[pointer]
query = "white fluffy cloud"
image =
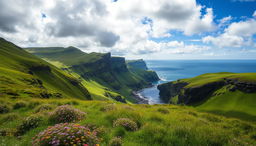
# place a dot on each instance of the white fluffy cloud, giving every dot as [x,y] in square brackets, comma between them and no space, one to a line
[237,34]
[124,26]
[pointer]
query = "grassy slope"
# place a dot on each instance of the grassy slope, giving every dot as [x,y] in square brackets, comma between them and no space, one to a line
[159,124]
[96,90]
[68,57]
[235,104]
[213,77]
[15,66]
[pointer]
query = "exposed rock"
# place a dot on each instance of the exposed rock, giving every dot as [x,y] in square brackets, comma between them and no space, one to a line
[190,95]
[118,64]
[139,64]
[170,89]
[39,68]
[197,94]
[117,98]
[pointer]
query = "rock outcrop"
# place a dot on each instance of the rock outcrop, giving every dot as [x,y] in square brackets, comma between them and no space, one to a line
[192,95]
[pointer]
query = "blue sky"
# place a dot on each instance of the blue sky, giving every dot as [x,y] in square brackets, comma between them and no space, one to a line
[150,29]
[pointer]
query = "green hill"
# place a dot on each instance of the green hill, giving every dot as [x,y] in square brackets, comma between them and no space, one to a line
[160,125]
[58,95]
[230,94]
[110,72]
[24,75]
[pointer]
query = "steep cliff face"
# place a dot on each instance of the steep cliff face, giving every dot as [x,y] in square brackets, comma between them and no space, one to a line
[118,64]
[170,90]
[94,67]
[140,68]
[139,64]
[229,94]
[110,72]
[192,94]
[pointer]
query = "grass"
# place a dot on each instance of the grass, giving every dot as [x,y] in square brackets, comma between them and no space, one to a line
[179,126]
[98,71]
[24,75]
[214,77]
[236,104]
[232,104]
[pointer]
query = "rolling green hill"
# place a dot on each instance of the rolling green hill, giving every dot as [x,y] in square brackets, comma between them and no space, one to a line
[110,72]
[230,94]
[58,94]
[24,75]
[160,125]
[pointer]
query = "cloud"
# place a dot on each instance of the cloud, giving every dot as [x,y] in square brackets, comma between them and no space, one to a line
[225,21]
[102,25]
[237,34]
[12,14]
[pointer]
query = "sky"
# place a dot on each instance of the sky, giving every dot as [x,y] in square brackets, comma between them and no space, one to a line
[147,29]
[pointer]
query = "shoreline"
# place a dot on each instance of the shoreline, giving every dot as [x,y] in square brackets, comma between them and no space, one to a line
[140,99]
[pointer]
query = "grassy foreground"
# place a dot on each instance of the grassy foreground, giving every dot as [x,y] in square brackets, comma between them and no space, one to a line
[157,125]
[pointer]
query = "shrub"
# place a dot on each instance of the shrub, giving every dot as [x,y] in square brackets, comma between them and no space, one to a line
[163,110]
[33,104]
[108,107]
[211,118]
[9,117]
[66,134]
[72,103]
[4,109]
[19,105]
[3,132]
[29,123]
[116,141]
[128,124]
[44,107]
[66,114]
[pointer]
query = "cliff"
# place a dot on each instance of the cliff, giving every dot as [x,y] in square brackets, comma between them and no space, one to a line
[139,64]
[220,92]
[140,68]
[110,73]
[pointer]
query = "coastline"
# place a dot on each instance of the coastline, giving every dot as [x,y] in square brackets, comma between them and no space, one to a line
[139,98]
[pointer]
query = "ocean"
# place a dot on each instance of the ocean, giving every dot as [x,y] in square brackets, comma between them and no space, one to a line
[171,70]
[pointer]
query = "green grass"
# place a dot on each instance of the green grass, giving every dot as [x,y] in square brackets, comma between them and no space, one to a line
[69,56]
[214,77]
[98,71]
[179,126]
[21,74]
[232,104]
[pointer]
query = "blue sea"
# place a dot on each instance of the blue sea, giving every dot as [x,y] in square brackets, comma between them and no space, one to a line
[170,70]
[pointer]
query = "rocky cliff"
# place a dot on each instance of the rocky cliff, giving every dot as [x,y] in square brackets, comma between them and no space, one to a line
[110,72]
[139,64]
[188,91]
[140,68]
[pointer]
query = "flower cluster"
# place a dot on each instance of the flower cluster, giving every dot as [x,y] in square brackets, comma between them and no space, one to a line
[66,114]
[128,124]
[66,134]
[28,124]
